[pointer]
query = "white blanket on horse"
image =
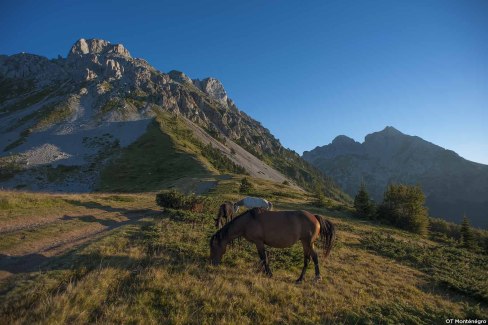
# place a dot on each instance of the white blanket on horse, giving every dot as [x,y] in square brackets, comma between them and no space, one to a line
[253,202]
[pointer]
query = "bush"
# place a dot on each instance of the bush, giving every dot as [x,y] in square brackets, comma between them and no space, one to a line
[175,200]
[246,186]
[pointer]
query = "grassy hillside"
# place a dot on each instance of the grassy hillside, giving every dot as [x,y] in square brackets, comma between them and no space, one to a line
[153,268]
[150,163]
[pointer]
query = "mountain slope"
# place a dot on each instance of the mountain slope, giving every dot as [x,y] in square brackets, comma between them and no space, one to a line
[83,110]
[453,185]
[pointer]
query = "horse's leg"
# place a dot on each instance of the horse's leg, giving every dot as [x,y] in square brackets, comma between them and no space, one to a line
[264,258]
[316,262]
[306,259]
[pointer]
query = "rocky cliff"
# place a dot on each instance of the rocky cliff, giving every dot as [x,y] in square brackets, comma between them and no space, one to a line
[69,110]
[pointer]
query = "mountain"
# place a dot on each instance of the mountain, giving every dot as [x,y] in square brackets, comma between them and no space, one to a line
[453,185]
[101,119]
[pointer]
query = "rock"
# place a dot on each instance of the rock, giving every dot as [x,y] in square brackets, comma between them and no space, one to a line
[96,46]
[213,88]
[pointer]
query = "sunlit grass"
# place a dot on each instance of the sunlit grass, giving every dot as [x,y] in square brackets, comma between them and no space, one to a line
[156,271]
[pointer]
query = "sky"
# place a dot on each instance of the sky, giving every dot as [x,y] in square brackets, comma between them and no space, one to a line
[307,70]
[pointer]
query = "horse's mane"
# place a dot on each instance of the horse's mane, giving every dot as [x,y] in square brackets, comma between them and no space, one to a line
[224,231]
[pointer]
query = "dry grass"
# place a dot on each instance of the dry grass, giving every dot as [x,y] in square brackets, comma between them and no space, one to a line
[156,271]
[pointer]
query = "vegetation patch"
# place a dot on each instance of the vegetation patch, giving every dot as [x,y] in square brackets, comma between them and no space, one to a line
[23,137]
[149,164]
[185,138]
[30,100]
[175,200]
[450,267]
[111,105]
[10,166]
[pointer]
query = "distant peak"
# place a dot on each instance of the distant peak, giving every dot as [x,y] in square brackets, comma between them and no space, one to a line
[97,46]
[391,130]
[343,140]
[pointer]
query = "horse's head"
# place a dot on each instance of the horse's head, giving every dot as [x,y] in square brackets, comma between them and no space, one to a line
[217,249]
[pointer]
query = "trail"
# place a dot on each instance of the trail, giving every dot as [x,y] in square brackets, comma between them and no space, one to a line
[29,258]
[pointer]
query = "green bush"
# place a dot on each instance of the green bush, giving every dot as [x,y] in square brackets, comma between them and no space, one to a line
[175,200]
[246,186]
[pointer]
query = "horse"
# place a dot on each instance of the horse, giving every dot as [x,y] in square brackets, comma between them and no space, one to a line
[278,229]
[253,202]
[226,211]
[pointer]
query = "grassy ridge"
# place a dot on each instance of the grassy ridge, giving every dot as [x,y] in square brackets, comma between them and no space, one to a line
[149,164]
[156,271]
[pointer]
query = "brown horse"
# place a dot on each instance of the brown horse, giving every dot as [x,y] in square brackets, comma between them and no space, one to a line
[278,229]
[226,211]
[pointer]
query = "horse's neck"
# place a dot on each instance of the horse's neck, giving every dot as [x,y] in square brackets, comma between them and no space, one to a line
[236,228]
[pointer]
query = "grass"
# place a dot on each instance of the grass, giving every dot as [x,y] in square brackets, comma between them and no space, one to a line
[451,267]
[29,100]
[156,269]
[10,166]
[149,164]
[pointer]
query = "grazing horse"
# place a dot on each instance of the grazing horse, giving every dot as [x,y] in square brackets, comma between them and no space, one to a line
[253,202]
[226,211]
[278,229]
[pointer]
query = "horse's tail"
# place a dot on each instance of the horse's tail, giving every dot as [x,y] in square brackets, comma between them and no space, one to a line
[327,233]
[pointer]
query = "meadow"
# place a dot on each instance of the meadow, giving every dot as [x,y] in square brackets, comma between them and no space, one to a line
[126,260]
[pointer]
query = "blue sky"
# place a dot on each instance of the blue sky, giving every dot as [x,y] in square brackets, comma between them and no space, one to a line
[308,70]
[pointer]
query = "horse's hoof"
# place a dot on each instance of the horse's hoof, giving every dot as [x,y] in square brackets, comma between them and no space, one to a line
[318,278]
[299,281]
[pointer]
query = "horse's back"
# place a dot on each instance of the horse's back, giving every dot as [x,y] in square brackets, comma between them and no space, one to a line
[251,202]
[284,228]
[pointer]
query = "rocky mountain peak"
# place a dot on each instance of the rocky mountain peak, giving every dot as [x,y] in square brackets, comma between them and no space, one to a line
[212,87]
[343,140]
[389,134]
[97,46]
[180,77]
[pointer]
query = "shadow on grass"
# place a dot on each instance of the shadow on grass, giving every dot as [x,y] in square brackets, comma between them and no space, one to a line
[98,206]
[90,219]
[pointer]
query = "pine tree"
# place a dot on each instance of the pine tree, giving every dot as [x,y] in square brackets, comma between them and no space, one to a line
[363,205]
[403,206]
[467,237]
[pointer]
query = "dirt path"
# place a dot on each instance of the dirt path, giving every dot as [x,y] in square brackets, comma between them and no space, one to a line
[30,256]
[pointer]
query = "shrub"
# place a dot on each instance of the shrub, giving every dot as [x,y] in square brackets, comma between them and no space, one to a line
[246,186]
[175,200]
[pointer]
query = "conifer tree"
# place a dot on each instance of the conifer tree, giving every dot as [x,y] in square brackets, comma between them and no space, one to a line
[467,237]
[363,205]
[403,206]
